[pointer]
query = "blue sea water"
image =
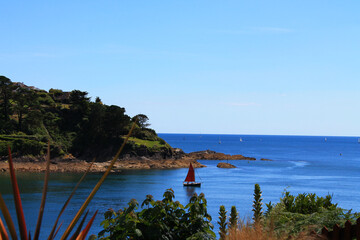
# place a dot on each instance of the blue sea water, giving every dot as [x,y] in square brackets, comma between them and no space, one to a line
[299,163]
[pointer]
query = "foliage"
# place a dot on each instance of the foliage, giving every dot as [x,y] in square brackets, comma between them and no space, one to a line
[6,88]
[307,203]
[222,222]
[24,145]
[142,120]
[234,217]
[257,209]
[269,208]
[72,122]
[306,211]
[165,219]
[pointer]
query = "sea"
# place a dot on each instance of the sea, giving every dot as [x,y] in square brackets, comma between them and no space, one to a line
[299,164]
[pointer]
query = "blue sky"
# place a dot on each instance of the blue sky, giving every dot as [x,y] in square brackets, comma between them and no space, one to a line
[231,67]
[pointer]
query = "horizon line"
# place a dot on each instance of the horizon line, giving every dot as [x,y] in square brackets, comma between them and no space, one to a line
[288,135]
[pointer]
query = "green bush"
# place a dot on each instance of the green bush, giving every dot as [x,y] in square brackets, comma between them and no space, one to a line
[164,219]
[20,145]
[307,203]
[305,212]
[25,147]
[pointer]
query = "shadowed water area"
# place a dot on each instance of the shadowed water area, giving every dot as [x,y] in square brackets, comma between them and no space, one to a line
[301,164]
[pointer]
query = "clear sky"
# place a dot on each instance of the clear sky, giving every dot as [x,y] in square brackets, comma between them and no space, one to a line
[232,67]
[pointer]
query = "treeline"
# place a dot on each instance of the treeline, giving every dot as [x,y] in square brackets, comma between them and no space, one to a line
[29,117]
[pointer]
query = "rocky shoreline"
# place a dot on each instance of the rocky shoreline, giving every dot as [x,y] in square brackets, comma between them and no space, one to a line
[70,164]
[98,167]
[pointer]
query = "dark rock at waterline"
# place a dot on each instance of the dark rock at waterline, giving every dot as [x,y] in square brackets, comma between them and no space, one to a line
[265,159]
[225,165]
[212,155]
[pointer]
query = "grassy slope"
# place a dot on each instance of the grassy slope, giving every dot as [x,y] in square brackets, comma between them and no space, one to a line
[148,143]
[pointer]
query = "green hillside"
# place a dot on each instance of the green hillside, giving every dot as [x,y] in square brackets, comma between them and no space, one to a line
[30,117]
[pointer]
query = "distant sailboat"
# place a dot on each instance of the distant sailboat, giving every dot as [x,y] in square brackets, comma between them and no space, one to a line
[325,139]
[190,178]
[241,140]
[358,140]
[219,141]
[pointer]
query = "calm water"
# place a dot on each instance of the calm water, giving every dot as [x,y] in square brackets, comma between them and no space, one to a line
[301,164]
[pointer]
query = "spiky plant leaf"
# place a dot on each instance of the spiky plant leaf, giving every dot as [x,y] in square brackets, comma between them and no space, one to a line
[8,219]
[3,232]
[87,228]
[17,199]
[96,188]
[43,199]
[51,236]
[78,230]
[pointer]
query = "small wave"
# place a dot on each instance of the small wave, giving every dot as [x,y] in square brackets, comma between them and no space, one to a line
[298,164]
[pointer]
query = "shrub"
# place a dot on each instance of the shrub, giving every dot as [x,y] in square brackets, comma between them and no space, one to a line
[305,212]
[306,203]
[165,219]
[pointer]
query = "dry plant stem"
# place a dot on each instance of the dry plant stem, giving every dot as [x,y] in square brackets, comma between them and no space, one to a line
[96,188]
[17,199]
[42,205]
[52,236]
[8,219]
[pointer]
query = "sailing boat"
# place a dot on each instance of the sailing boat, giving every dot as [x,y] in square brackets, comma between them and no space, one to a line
[190,178]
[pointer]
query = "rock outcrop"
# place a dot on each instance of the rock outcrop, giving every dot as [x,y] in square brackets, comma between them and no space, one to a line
[212,155]
[225,165]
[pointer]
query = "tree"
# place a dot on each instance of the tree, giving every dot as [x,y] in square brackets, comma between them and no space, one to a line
[5,95]
[24,101]
[115,121]
[98,100]
[222,222]
[142,120]
[80,101]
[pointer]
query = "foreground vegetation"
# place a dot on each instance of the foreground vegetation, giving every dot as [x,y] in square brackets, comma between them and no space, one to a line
[78,234]
[164,219]
[294,216]
[30,117]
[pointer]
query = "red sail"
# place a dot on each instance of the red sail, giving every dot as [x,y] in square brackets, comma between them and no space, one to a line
[191,175]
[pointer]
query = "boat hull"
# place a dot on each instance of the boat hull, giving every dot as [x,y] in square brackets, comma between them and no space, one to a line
[192,184]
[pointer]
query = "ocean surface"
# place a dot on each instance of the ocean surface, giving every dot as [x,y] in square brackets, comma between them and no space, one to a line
[322,165]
